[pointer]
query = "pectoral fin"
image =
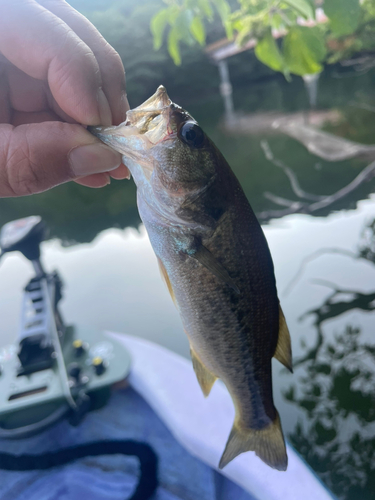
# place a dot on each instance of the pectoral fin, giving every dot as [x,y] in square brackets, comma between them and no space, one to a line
[166,280]
[205,378]
[283,352]
[205,257]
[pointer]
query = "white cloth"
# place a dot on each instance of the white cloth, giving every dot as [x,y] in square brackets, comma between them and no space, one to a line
[168,383]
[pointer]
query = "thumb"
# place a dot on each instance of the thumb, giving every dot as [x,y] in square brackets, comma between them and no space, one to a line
[39,156]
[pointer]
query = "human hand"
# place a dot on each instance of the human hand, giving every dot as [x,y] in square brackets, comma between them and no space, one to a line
[57,75]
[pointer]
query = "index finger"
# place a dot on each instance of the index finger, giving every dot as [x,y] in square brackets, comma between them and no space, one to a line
[44,47]
[110,64]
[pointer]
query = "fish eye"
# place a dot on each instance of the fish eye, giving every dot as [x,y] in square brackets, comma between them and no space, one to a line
[191,134]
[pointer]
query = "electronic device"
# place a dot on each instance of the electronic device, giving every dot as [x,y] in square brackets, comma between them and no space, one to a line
[53,370]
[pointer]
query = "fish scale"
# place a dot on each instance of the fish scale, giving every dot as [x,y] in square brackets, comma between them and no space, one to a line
[215,261]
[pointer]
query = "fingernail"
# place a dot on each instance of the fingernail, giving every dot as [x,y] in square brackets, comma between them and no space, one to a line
[124,105]
[93,159]
[104,109]
[120,173]
[128,175]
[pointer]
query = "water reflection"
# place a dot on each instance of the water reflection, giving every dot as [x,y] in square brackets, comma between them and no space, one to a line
[336,391]
[112,284]
[76,214]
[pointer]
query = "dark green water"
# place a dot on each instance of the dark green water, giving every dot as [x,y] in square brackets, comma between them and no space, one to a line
[112,282]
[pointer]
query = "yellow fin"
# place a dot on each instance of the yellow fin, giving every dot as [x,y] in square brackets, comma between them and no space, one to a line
[283,352]
[166,279]
[267,443]
[205,378]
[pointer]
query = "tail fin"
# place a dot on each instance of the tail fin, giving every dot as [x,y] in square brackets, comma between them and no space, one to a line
[267,443]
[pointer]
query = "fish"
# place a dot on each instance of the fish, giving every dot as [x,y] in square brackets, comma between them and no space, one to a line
[215,261]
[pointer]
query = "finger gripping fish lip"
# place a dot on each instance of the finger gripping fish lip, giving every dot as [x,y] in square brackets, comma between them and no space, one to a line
[157,120]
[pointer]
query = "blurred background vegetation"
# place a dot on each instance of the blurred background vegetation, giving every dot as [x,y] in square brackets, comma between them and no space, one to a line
[195,85]
[291,36]
[126,26]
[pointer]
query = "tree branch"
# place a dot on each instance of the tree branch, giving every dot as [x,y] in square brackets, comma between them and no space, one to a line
[315,255]
[327,146]
[282,201]
[289,173]
[365,175]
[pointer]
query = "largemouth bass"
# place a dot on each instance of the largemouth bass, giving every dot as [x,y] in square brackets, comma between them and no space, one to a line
[215,260]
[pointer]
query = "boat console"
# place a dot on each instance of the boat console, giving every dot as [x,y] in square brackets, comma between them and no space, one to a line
[53,370]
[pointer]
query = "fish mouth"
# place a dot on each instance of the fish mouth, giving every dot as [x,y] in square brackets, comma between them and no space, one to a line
[145,126]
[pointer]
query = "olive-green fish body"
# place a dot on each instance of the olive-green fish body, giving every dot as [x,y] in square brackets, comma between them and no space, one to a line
[216,263]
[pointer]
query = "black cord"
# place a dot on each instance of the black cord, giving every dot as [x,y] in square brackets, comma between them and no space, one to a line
[148,481]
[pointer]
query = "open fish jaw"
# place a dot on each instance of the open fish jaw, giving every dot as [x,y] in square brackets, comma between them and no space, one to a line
[144,127]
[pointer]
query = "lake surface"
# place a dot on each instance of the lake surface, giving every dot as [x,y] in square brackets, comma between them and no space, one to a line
[112,281]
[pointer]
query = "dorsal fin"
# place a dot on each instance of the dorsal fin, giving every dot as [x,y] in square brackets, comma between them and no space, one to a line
[205,378]
[283,352]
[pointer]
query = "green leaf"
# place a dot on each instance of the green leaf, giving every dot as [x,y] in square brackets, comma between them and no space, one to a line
[303,7]
[343,15]
[276,21]
[174,11]
[268,52]
[228,29]
[158,24]
[182,24]
[223,9]
[173,45]
[304,49]
[205,7]
[197,30]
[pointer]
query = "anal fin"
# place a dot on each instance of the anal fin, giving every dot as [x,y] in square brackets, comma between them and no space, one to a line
[205,378]
[166,280]
[283,352]
[268,444]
